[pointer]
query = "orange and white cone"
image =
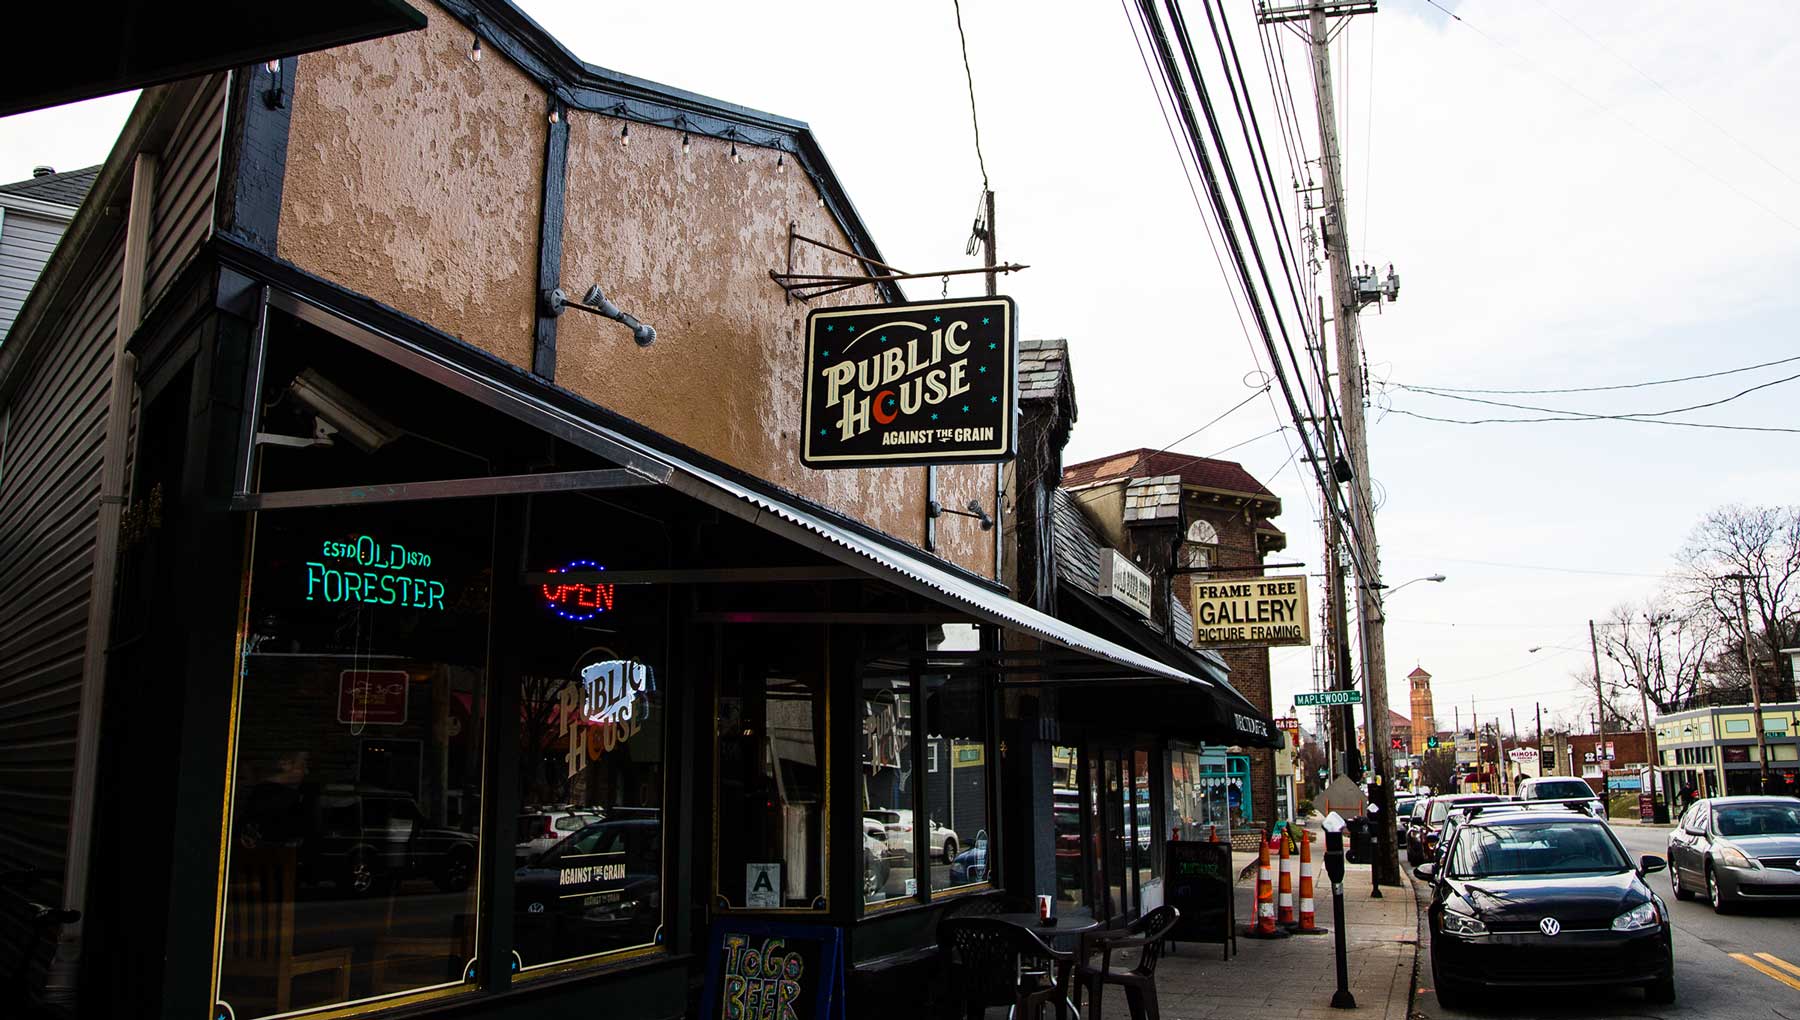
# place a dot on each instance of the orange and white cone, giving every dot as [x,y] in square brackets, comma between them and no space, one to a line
[1265,897]
[1285,896]
[1307,925]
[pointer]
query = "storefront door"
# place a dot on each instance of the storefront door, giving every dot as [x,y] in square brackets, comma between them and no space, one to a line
[1124,832]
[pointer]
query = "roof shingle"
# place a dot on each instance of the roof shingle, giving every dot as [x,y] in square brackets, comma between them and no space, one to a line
[1223,475]
[67,188]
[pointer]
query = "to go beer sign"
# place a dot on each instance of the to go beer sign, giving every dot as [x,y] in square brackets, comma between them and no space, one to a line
[927,383]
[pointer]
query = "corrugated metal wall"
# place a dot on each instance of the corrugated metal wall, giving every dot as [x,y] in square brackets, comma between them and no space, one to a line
[26,241]
[50,471]
[49,489]
[185,184]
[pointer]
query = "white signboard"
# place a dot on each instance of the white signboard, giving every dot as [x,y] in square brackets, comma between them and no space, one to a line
[1523,754]
[1122,580]
[762,884]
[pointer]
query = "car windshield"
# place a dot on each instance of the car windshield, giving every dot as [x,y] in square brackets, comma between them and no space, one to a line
[1441,808]
[1561,790]
[1539,848]
[1758,820]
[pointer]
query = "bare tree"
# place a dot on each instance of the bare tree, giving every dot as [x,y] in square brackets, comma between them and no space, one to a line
[1437,770]
[1620,698]
[1660,648]
[1762,543]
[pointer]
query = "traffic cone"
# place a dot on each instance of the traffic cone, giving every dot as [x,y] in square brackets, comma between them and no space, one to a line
[1306,925]
[1285,896]
[1265,928]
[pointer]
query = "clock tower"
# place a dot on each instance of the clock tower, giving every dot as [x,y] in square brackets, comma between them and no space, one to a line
[1423,723]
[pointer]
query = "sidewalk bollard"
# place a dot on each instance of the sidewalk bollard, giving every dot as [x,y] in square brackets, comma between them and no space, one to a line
[1307,926]
[1285,891]
[1334,868]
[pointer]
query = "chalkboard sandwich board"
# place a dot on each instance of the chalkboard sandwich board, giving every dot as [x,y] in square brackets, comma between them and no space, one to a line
[1200,886]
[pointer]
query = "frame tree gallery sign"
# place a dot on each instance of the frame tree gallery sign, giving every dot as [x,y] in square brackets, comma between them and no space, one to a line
[927,383]
[1251,611]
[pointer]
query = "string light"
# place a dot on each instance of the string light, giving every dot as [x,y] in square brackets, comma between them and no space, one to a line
[735,158]
[781,163]
[475,50]
[625,136]
[684,142]
[555,116]
[274,66]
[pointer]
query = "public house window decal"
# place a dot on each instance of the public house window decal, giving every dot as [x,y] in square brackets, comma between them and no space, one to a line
[353,821]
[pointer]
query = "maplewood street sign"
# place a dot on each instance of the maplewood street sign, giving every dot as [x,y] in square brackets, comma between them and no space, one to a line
[1312,698]
[932,382]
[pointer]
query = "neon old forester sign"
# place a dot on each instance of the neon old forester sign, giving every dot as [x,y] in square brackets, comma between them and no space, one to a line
[926,383]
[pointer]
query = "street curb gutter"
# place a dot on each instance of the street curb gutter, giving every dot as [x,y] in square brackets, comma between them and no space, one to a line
[1412,983]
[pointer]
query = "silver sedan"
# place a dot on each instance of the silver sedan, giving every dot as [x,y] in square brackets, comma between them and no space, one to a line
[1737,850]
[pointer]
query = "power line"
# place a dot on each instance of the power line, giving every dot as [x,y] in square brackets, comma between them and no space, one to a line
[1618,386]
[970,75]
[1532,421]
[1588,416]
[1628,122]
[1696,111]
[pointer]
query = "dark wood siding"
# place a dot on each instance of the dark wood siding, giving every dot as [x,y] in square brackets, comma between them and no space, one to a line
[186,180]
[49,489]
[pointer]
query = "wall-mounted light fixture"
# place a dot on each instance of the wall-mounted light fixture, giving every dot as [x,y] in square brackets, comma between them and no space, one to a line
[595,303]
[936,509]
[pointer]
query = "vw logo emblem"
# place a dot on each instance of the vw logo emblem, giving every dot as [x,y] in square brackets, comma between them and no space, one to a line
[1550,926]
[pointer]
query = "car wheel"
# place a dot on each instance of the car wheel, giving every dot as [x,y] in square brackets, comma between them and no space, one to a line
[1715,894]
[359,875]
[1681,891]
[459,870]
[1661,991]
[1451,994]
[949,849]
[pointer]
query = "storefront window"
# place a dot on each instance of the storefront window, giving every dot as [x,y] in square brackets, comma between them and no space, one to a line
[589,848]
[1115,793]
[956,795]
[1144,832]
[771,769]
[888,785]
[1071,892]
[356,783]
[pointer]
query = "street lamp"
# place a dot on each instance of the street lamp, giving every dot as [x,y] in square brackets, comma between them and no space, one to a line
[1378,586]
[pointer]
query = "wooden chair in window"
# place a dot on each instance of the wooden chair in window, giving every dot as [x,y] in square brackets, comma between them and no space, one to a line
[259,927]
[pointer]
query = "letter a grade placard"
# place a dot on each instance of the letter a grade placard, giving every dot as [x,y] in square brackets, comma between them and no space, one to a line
[926,383]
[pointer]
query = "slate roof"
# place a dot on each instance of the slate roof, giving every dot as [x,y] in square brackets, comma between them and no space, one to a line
[67,188]
[1043,367]
[1264,524]
[1153,499]
[1078,545]
[1223,475]
[1418,672]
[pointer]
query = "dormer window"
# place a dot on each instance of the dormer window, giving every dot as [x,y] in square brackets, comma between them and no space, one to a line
[1202,544]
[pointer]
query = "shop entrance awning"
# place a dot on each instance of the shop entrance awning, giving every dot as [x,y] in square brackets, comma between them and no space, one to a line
[119,45]
[551,410]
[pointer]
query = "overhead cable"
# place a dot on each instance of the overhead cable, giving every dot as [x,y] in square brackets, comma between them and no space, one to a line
[1598,389]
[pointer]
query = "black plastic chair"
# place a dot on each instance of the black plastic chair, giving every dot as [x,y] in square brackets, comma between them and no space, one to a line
[1146,934]
[991,964]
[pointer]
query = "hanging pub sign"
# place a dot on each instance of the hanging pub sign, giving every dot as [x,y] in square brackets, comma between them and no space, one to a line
[931,382]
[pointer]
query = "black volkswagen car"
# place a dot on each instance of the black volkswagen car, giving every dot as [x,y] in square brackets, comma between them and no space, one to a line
[1544,895]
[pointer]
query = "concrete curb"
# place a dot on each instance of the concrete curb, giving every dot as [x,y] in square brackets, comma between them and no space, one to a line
[1401,1007]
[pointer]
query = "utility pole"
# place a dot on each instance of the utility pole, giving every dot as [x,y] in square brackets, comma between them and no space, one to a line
[1762,739]
[1346,304]
[1343,720]
[1540,740]
[1600,724]
[1515,725]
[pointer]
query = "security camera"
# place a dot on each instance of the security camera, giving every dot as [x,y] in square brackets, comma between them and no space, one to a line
[355,421]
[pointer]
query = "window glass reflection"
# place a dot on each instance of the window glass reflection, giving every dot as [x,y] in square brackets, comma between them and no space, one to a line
[956,781]
[888,786]
[356,786]
[1071,893]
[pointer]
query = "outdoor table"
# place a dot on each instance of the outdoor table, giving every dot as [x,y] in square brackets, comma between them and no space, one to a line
[1066,925]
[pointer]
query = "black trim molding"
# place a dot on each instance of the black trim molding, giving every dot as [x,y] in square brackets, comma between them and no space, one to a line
[550,235]
[254,163]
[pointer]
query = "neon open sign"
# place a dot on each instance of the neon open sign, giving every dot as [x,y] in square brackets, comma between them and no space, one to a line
[576,600]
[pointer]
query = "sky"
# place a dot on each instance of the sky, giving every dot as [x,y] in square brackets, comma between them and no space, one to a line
[1569,198]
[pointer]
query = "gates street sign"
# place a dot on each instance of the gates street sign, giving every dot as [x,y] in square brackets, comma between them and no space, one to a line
[1313,698]
[932,382]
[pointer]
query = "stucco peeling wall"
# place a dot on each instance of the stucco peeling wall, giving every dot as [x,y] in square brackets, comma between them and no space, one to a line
[686,244]
[415,176]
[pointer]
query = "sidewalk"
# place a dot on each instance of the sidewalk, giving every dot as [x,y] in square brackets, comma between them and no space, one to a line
[1295,977]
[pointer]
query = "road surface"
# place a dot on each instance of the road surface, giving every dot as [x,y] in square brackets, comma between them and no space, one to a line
[1716,977]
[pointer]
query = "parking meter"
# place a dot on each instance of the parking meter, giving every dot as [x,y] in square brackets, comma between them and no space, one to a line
[1334,856]
[1334,825]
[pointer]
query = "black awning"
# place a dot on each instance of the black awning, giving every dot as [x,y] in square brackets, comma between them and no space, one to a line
[118,45]
[1219,714]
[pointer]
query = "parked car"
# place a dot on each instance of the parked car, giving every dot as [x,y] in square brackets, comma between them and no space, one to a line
[875,858]
[1414,820]
[1544,896]
[598,888]
[364,838]
[971,865]
[1561,788]
[899,828]
[1737,849]
[1422,839]
[540,828]
[1403,806]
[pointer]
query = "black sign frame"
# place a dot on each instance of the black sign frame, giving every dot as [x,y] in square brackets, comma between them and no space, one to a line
[982,428]
[1201,885]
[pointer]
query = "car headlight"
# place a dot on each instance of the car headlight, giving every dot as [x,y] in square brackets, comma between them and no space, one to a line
[1733,856]
[1456,923]
[1642,916]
